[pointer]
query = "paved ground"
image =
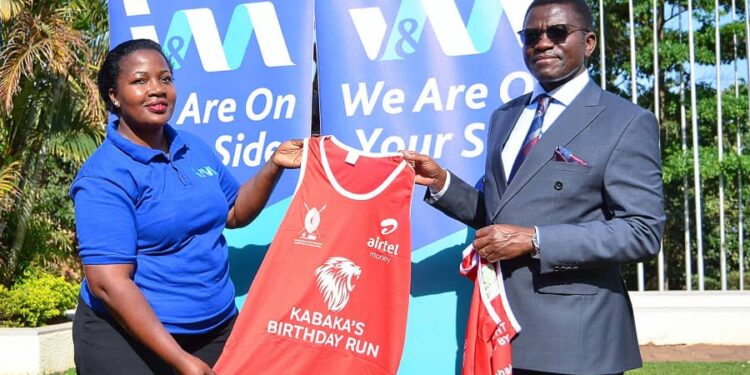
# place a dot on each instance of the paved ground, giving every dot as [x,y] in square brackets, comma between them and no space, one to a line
[695,353]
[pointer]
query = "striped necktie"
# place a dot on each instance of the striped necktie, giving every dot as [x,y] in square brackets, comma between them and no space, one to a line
[534,134]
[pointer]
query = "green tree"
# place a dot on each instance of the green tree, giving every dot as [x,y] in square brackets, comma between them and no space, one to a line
[50,118]
[671,18]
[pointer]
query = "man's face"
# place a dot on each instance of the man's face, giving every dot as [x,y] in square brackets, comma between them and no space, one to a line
[554,62]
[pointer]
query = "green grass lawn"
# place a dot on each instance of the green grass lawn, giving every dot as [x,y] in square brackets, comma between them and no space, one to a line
[703,368]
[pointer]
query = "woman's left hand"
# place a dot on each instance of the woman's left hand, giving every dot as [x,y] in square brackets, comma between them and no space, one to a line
[289,154]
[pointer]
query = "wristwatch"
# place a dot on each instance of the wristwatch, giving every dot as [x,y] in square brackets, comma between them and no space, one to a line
[535,243]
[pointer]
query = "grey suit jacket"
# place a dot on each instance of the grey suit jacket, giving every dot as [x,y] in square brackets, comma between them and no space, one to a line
[572,304]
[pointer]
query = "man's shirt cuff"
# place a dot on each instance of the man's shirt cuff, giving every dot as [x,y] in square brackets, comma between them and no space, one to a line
[435,195]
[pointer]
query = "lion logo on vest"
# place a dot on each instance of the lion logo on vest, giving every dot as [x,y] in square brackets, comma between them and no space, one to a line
[336,281]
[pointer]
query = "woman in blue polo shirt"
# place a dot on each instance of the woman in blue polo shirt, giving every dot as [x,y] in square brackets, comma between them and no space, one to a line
[151,204]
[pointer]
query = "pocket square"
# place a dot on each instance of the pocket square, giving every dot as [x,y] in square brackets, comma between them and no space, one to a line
[564,155]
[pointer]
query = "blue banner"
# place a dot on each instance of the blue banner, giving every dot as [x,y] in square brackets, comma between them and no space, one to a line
[243,72]
[423,75]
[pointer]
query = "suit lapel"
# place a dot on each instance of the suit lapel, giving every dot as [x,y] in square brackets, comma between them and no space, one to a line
[503,126]
[581,112]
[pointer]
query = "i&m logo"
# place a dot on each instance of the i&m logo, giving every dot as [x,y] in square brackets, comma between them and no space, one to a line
[198,27]
[455,37]
[206,171]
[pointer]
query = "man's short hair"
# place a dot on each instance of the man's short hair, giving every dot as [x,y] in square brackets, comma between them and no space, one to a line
[582,9]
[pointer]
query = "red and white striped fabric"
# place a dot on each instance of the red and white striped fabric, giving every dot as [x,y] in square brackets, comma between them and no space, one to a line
[491,325]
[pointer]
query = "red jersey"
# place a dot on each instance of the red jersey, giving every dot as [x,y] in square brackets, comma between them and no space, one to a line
[491,324]
[332,294]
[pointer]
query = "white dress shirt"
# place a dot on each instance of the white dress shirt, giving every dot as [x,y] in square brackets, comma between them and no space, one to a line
[560,98]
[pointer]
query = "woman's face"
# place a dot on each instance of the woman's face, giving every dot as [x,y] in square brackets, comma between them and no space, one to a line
[144,96]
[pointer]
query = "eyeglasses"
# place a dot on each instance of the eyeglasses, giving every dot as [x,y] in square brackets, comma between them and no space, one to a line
[555,33]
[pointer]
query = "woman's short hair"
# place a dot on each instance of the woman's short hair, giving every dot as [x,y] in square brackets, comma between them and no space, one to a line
[110,69]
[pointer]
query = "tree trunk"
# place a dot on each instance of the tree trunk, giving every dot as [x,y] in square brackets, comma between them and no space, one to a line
[26,204]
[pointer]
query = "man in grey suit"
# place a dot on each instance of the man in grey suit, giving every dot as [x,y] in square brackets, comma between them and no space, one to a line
[572,190]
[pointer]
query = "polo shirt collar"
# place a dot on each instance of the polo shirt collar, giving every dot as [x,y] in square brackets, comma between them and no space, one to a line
[144,154]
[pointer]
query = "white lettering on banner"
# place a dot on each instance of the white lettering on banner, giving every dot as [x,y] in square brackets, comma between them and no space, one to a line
[508,370]
[261,103]
[396,143]
[474,140]
[373,141]
[225,110]
[249,153]
[392,100]
[429,95]
[265,97]
[473,96]
[526,79]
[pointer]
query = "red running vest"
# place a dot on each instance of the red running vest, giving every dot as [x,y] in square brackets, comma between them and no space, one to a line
[332,294]
[491,324]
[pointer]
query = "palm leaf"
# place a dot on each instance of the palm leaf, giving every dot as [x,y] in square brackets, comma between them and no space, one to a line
[75,146]
[8,180]
[9,8]
[41,44]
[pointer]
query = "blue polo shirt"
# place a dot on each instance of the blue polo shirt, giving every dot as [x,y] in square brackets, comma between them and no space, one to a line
[165,215]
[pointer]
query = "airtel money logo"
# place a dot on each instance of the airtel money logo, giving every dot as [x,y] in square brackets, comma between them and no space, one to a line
[336,281]
[382,249]
[388,226]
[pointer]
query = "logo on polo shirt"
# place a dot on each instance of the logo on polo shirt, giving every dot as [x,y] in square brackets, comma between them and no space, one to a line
[336,280]
[205,172]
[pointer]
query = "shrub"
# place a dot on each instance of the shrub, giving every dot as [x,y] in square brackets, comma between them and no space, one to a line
[36,299]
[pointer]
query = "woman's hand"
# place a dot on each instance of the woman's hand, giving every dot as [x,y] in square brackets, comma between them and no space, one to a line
[191,365]
[254,193]
[289,154]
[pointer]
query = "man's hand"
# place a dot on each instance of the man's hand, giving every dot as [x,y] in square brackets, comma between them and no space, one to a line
[429,172]
[503,242]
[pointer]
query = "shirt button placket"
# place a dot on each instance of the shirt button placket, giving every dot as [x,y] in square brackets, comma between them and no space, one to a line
[183,179]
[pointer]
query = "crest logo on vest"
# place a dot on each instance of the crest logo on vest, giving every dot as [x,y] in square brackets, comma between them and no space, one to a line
[336,280]
[309,234]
